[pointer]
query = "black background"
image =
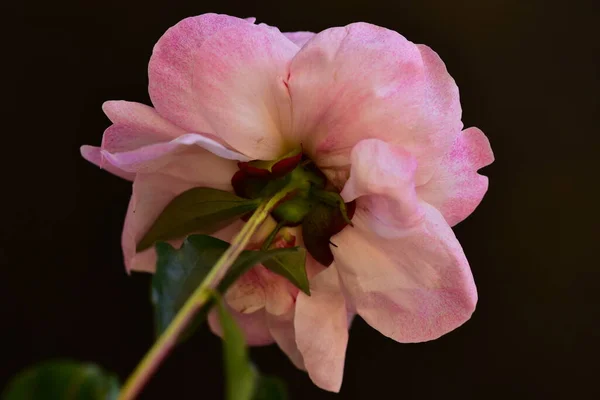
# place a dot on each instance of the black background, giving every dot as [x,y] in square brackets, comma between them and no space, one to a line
[528,75]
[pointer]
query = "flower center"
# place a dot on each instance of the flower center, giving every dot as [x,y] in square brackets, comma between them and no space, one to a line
[313,202]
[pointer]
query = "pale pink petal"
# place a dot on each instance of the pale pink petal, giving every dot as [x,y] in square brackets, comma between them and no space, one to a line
[135,125]
[321,324]
[300,38]
[382,175]
[412,288]
[253,325]
[153,191]
[94,155]
[246,295]
[456,188]
[372,83]
[154,157]
[282,329]
[225,76]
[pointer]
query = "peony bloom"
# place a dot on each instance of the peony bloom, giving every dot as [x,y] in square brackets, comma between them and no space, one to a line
[379,116]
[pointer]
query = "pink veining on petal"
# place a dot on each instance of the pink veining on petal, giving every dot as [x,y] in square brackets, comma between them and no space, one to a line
[456,188]
[224,76]
[372,83]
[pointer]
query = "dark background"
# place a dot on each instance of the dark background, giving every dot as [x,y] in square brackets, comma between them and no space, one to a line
[528,75]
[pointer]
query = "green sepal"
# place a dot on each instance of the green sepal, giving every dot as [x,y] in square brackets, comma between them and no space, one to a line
[180,271]
[320,224]
[201,210]
[62,380]
[291,266]
[292,158]
[333,199]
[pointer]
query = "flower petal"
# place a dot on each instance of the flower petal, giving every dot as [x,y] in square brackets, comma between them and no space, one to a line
[372,83]
[153,191]
[225,76]
[456,188]
[411,288]
[299,38]
[94,155]
[253,325]
[154,157]
[321,324]
[282,329]
[247,294]
[382,175]
[135,125]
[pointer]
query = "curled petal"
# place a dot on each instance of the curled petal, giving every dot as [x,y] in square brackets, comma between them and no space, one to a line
[94,155]
[253,325]
[321,324]
[372,83]
[382,175]
[135,125]
[155,157]
[225,76]
[412,288]
[456,188]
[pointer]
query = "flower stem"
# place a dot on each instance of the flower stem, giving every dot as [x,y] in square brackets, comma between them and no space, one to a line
[269,240]
[168,339]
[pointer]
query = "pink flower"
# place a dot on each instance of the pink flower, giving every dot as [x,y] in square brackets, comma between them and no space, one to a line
[379,115]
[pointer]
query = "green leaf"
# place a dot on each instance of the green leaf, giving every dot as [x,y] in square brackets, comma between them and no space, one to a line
[241,376]
[291,266]
[180,271]
[62,380]
[270,388]
[243,381]
[203,210]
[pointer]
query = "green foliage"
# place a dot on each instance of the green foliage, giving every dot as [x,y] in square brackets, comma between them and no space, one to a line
[243,381]
[291,266]
[202,210]
[62,380]
[180,271]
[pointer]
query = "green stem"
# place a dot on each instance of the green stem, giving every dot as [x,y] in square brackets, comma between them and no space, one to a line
[165,343]
[269,240]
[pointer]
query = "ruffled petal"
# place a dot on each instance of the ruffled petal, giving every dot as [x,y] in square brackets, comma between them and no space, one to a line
[382,175]
[299,38]
[253,325]
[225,76]
[321,324]
[412,288]
[372,83]
[456,188]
